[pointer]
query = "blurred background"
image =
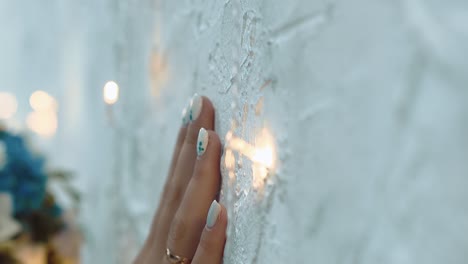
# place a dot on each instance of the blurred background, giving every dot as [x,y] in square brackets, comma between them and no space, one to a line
[344,125]
[55,127]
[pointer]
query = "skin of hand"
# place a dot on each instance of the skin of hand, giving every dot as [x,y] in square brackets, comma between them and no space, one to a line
[189,222]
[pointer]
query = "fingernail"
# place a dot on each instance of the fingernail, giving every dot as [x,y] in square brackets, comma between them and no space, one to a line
[196,105]
[202,141]
[213,214]
[185,117]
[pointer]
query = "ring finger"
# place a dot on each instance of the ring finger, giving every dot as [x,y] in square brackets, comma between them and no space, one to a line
[190,219]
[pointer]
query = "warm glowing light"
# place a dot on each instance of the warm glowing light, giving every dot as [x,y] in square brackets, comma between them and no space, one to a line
[42,101]
[228,136]
[8,105]
[230,162]
[240,145]
[111,92]
[265,152]
[264,158]
[43,123]
[262,154]
[43,120]
[158,72]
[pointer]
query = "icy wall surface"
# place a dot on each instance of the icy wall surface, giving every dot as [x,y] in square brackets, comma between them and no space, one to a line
[365,101]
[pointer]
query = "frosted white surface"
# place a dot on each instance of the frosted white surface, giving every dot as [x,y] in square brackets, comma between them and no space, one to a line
[366,100]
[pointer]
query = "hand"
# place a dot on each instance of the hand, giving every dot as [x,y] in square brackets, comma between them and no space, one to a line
[189,222]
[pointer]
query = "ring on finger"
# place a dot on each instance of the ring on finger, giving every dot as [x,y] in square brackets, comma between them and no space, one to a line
[176,259]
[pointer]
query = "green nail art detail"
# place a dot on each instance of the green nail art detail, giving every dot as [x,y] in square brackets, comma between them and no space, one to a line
[202,141]
[200,147]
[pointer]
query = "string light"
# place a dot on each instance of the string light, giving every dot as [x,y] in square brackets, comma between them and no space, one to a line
[262,154]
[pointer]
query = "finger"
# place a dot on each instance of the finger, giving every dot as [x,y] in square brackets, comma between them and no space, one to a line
[201,114]
[180,140]
[175,157]
[211,247]
[150,240]
[203,188]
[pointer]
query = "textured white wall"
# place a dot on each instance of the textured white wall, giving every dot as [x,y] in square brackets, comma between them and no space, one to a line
[366,101]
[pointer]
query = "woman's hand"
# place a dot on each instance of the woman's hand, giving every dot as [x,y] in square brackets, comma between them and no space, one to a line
[189,225]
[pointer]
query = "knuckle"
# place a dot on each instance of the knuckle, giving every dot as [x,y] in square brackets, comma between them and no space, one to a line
[178,230]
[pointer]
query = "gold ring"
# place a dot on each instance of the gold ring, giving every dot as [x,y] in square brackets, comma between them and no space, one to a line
[176,259]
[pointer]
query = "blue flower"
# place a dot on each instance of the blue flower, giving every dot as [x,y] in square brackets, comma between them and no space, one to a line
[22,175]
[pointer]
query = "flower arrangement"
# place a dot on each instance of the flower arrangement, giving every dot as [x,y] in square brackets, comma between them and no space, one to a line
[27,207]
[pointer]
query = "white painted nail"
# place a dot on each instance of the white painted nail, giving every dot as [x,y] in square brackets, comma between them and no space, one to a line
[185,117]
[196,105]
[202,141]
[213,214]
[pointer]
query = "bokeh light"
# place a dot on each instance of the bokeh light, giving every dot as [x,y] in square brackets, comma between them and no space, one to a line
[8,105]
[42,101]
[111,92]
[43,123]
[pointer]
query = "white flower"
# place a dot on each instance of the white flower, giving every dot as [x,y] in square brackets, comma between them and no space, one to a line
[3,155]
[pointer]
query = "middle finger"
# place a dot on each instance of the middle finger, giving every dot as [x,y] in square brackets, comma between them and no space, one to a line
[203,188]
